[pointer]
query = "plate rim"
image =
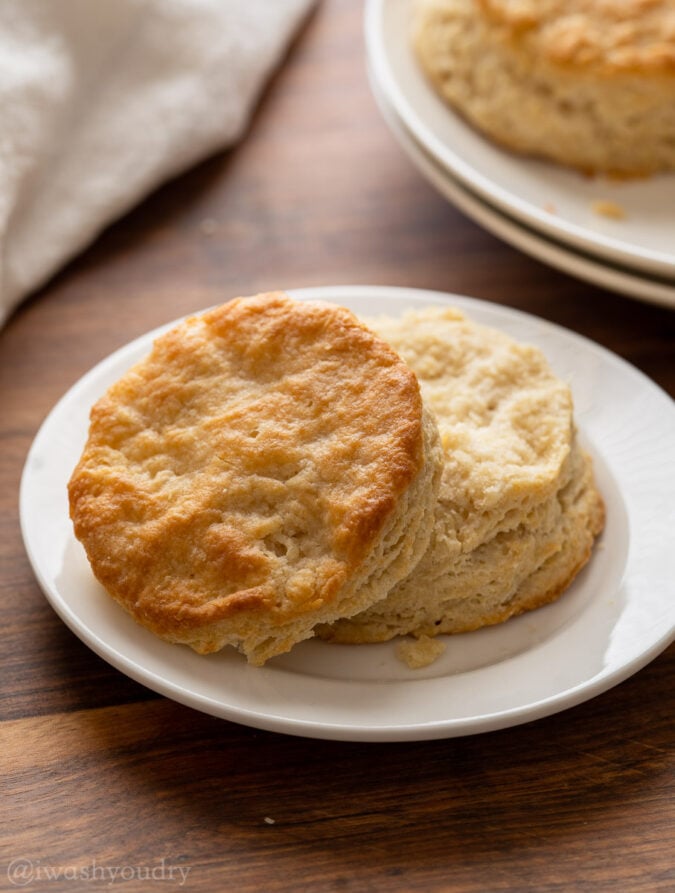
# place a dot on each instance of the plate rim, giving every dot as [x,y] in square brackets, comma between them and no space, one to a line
[564,258]
[443,728]
[654,262]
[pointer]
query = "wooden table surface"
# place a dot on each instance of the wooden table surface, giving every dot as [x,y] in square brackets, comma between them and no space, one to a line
[101,774]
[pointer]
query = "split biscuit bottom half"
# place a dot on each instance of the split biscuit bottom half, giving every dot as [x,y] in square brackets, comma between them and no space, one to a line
[590,85]
[518,509]
[268,467]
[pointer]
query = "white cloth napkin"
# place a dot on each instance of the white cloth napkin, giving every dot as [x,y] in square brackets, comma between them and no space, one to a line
[102,100]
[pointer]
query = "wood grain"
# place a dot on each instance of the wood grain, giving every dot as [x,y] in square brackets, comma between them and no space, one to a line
[98,771]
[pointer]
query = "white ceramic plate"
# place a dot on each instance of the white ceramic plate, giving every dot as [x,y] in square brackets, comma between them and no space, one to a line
[618,614]
[548,198]
[555,254]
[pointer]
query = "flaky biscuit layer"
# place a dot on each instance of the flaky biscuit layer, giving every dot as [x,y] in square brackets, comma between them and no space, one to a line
[518,509]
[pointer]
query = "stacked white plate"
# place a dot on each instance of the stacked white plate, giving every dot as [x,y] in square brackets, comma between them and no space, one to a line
[547,211]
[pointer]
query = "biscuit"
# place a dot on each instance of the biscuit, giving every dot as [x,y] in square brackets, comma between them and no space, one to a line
[584,83]
[267,467]
[518,510]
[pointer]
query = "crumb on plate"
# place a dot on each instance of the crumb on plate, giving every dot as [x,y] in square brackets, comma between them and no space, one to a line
[608,209]
[420,652]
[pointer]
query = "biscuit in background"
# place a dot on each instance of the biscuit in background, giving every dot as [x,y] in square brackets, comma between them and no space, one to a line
[585,83]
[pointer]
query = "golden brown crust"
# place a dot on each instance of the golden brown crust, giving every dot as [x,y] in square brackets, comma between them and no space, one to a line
[608,36]
[247,468]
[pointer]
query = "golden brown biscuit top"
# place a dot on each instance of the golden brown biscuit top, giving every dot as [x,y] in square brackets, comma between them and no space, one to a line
[250,461]
[609,36]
